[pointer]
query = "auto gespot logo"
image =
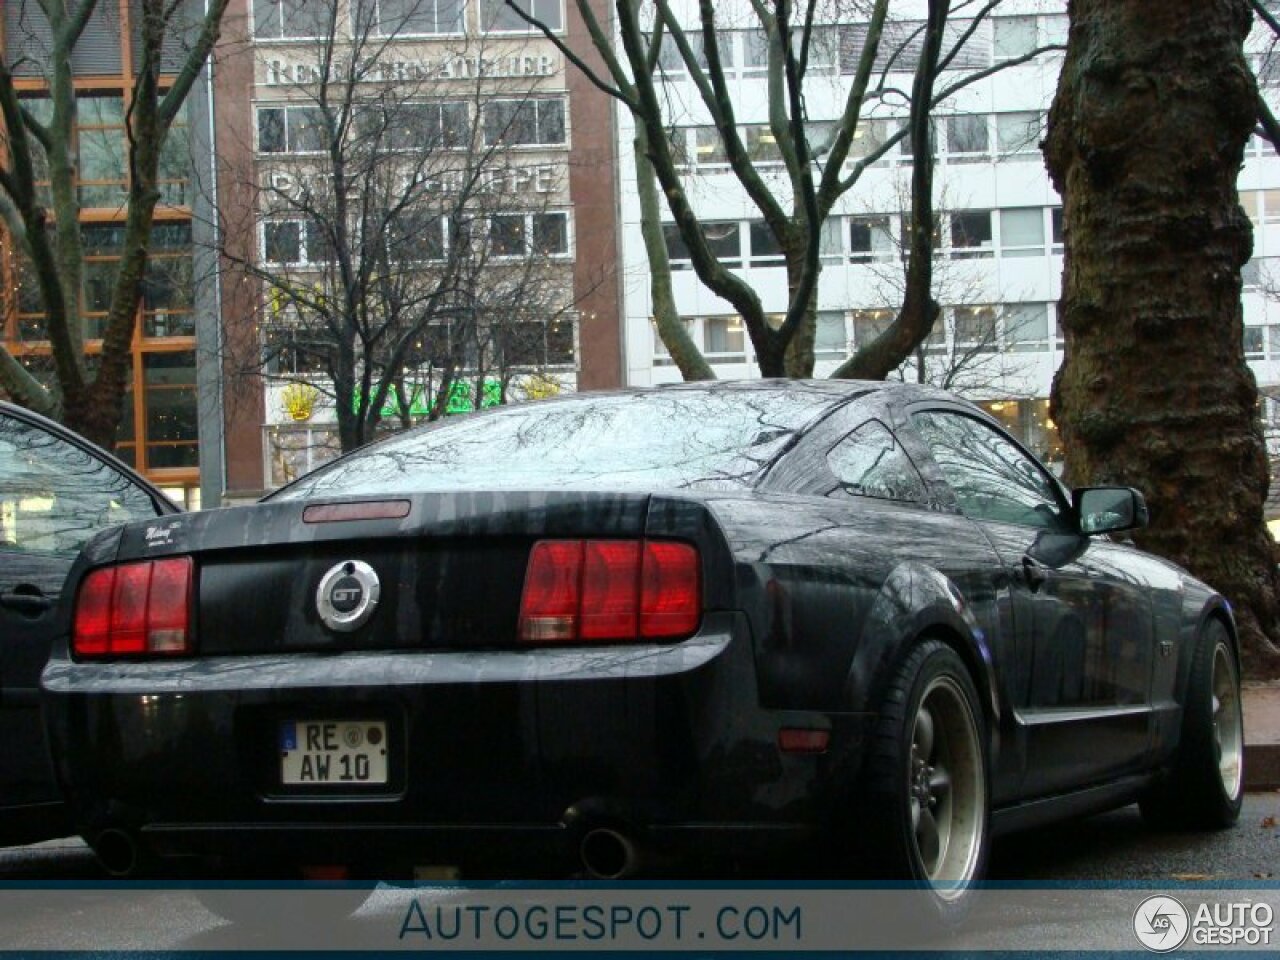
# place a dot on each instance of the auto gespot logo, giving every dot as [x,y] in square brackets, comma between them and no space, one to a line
[1162,923]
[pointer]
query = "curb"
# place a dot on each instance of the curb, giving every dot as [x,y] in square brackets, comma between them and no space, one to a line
[1262,766]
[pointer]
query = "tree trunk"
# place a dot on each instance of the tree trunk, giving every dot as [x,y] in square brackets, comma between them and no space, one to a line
[1146,136]
[799,356]
[671,328]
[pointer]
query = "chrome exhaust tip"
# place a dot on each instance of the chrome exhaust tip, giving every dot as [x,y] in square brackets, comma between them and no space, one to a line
[608,854]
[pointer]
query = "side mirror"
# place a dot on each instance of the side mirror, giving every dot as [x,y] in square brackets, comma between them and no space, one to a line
[1105,509]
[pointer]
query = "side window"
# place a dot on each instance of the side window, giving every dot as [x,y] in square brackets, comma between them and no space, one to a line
[54,495]
[991,478]
[870,462]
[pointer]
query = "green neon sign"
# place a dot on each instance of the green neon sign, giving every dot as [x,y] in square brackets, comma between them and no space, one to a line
[461,399]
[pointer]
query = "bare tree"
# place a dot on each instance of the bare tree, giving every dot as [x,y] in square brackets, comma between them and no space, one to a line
[794,42]
[975,346]
[401,245]
[44,222]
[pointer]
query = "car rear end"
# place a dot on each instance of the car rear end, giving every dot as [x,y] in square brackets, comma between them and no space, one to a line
[513,680]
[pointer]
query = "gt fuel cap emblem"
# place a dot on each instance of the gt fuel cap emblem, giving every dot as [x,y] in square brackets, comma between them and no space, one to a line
[347,595]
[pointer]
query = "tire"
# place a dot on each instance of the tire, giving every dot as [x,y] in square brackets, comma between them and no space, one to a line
[923,800]
[1204,787]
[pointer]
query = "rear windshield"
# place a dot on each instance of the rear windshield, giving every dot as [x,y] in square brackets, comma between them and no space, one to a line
[663,439]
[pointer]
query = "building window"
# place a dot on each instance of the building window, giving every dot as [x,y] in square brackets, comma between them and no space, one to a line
[677,252]
[168,286]
[1055,223]
[709,147]
[497,17]
[294,451]
[298,243]
[291,130]
[831,341]
[869,324]
[830,242]
[524,122]
[967,137]
[755,53]
[1022,232]
[1055,27]
[870,136]
[722,238]
[1014,37]
[407,18]
[975,328]
[291,19]
[724,339]
[103,152]
[525,234]
[1271,206]
[1254,343]
[170,382]
[1026,326]
[762,146]
[416,236]
[970,234]
[426,126]
[824,48]
[723,241]
[870,239]
[1018,135]
[765,249]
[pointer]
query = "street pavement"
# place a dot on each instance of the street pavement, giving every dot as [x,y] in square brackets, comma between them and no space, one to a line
[1111,847]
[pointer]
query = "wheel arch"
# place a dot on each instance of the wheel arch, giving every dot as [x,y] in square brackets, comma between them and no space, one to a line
[1212,607]
[919,603]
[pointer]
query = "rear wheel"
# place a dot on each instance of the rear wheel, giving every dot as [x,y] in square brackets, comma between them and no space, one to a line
[923,800]
[1205,787]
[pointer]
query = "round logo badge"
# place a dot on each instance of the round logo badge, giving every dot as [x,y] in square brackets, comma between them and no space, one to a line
[1161,923]
[347,595]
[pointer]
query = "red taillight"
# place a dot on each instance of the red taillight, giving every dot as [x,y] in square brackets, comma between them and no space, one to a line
[549,607]
[594,590]
[610,589]
[134,608]
[670,590]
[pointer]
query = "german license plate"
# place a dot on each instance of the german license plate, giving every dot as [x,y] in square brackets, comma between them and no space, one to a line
[333,752]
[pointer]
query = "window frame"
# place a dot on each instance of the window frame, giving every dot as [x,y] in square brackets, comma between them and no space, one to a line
[281,37]
[413,34]
[528,221]
[533,101]
[841,489]
[526,30]
[910,436]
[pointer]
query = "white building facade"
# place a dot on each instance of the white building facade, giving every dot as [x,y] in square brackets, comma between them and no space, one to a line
[998,267]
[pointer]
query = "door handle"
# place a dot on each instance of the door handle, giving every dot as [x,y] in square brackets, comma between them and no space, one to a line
[30,604]
[1035,572]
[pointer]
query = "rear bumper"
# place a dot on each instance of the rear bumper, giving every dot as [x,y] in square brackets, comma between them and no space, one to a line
[494,755]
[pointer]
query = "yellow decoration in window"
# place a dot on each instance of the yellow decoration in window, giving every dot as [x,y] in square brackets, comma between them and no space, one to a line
[299,400]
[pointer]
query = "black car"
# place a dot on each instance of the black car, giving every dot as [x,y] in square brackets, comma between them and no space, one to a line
[56,490]
[705,623]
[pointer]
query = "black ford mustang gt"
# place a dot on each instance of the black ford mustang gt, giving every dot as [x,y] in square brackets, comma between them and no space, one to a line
[709,620]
